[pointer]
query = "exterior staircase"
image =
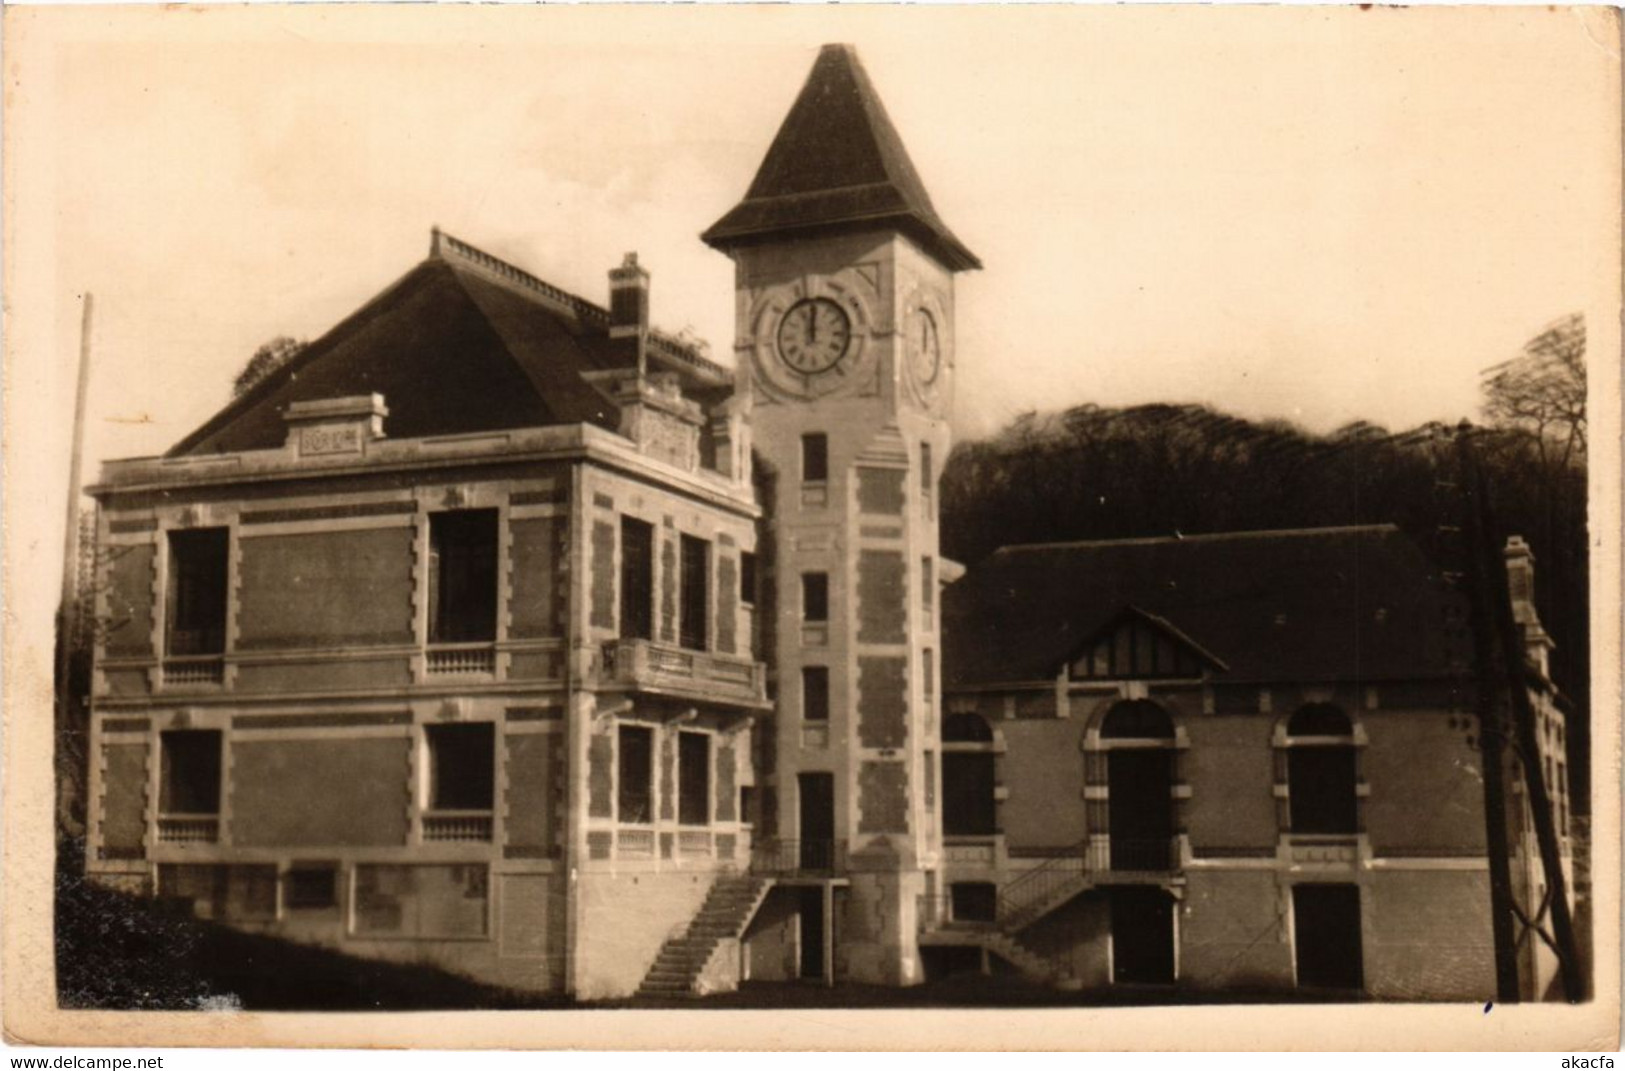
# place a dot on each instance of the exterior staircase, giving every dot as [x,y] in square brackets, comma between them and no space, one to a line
[728,908]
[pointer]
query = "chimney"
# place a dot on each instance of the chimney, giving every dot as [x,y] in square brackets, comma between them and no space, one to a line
[629,312]
[1520,566]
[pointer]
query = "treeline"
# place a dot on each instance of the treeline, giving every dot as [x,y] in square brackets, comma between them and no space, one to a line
[1157,470]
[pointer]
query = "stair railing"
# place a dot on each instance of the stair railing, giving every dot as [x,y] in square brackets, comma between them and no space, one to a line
[1022,900]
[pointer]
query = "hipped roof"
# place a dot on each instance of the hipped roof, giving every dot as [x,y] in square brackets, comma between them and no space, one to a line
[837,161]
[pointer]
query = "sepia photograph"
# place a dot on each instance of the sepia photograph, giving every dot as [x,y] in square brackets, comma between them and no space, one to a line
[987,515]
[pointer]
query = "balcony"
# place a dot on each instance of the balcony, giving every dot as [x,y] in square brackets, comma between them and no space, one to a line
[663,669]
[1129,855]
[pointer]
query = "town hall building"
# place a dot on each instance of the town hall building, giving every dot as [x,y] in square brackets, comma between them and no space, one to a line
[502,630]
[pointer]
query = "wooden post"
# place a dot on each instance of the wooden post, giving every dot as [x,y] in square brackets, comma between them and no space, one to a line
[829,933]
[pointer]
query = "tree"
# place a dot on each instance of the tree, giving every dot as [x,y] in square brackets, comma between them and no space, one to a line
[267,359]
[1543,390]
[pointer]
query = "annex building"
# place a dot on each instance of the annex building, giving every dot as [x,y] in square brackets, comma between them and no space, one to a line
[500,629]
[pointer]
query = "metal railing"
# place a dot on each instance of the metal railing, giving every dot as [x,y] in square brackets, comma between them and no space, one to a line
[460,658]
[1027,896]
[457,826]
[794,856]
[1135,854]
[188,829]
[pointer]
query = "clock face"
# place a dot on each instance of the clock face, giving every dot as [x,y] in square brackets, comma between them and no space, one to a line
[814,336]
[924,347]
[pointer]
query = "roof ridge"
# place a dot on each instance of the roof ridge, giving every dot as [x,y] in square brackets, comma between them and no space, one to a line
[447,247]
[454,250]
[1204,537]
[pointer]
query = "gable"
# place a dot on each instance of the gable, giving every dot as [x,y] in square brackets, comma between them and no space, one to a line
[1138,645]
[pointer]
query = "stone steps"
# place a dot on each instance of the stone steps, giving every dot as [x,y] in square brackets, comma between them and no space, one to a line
[727,909]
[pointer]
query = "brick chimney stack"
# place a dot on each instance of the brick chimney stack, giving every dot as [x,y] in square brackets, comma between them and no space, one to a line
[629,311]
[1520,566]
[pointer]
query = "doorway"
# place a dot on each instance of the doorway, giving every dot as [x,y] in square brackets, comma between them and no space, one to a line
[1326,935]
[812,933]
[1142,935]
[817,805]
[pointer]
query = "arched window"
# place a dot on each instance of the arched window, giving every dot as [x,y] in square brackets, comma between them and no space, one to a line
[968,777]
[1321,771]
[1137,719]
[1138,740]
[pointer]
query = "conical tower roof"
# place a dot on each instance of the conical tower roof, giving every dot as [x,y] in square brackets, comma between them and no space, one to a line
[837,163]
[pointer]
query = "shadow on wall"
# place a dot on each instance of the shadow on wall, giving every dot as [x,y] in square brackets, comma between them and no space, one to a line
[119,952]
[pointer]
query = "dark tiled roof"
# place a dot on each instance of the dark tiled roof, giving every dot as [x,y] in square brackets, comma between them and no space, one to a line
[1330,604]
[462,343]
[837,161]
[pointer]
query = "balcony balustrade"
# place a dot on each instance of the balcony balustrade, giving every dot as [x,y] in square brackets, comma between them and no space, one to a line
[467,826]
[188,829]
[645,665]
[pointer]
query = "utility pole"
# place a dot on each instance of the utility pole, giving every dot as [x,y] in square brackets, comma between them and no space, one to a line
[65,715]
[1527,745]
[1492,734]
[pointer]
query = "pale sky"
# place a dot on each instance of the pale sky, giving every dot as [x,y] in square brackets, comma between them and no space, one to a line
[1317,214]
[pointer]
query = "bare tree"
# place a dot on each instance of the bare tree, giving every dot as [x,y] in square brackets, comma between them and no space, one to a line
[1543,390]
[267,359]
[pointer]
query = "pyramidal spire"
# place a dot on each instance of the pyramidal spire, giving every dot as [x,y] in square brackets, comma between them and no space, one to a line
[838,163]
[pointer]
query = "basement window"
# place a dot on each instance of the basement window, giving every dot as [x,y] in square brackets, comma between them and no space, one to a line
[311,886]
[197,591]
[463,576]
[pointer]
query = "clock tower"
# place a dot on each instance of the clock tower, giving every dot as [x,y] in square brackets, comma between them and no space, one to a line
[845,354]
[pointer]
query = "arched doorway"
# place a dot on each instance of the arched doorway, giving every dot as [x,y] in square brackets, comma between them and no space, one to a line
[1138,737]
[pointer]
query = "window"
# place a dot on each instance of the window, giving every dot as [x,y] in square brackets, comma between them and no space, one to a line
[694,582]
[462,761]
[928,478]
[928,594]
[815,596]
[969,777]
[190,772]
[693,779]
[747,578]
[814,458]
[463,576]
[637,579]
[197,591]
[636,774]
[422,901]
[1321,774]
[310,886]
[928,686]
[974,901]
[814,693]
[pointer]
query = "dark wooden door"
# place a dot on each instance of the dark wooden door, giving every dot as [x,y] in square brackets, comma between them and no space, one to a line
[1140,807]
[1326,931]
[1142,936]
